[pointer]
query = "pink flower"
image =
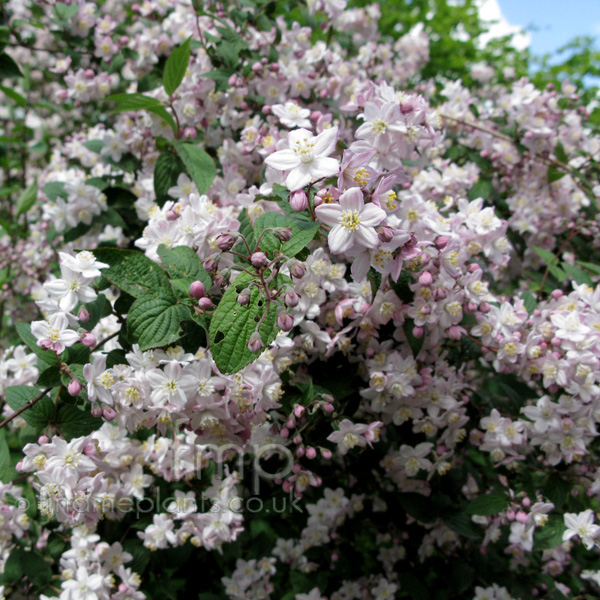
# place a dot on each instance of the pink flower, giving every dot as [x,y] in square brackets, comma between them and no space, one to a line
[307,157]
[353,223]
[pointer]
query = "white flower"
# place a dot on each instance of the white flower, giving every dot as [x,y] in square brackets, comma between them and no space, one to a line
[83,586]
[581,524]
[291,115]
[413,459]
[99,379]
[53,333]
[307,157]
[71,289]
[84,262]
[353,223]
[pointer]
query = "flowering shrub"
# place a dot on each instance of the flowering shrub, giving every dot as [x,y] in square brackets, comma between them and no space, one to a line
[280,305]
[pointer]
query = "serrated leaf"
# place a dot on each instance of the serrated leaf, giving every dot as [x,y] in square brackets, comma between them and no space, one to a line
[40,414]
[73,421]
[27,199]
[8,67]
[232,325]
[550,535]
[529,301]
[7,471]
[488,504]
[98,309]
[547,256]
[182,262]
[50,377]
[19,100]
[127,102]
[167,169]
[199,165]
[176,66]
[54,189]
[590,266]
[576,274]
[302,233]
[555,174]
[133,272]
[154,321]
[24,331]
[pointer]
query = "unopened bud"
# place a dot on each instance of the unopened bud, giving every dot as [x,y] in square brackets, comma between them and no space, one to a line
[211,265]
[197,290]
[425,278]
[43,439]
[311,453]
[83,315]
[74,387]
[88,339]
[285,321]
[244,297]
[225,242]
[283,234]
[96,411]
[441,241]
[299,200]
[172,215]
[299,410]
[385,234]
[255,344]
[205,303]
[259,260]
[108,412]
[291,299]
[298,271]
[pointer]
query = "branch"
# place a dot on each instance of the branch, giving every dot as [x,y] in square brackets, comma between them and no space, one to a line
[24,408]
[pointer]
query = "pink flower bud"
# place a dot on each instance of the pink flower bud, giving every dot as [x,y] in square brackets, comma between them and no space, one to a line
[299,200]
[526,502]
[298,271]
[266,110]
[283,234]
[89,449]
[259,260]
[109,413]
[285,433]
[291,299]
[225,242]
[521,516]
[43,439]
[328,408]
[96,411]
[205,303]
[257,67]
[425,278]
[291,423]
[315,115]
[88,339]
[190,133]
[19,467]
[244,297]
[210,264]
[285,321]
[326,454]
[385,234]
[172,215]
[83,315]
[74,387]
[441,241]
[418,332]
[300,452]
[197,290]
[311,453]
[255,344]
[299,410]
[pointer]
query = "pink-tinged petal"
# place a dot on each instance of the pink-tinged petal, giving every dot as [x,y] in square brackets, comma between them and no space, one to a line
[372,215]
[367,236]
[282,160]
[298,178]
[360,266]
[329,213]
[352,199]
[396,268]
[324,143]
[340,239]
[324,167]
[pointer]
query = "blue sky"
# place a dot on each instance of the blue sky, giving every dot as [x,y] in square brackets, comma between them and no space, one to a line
[555,22]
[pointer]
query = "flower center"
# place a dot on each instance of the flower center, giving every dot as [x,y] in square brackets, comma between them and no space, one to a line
[379,126]
[350,219]
[304,149]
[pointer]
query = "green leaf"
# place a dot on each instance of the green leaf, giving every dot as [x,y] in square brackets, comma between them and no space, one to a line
[98,309]
[7,471]
[547,256]
[557,490]
[182,262]
[481,189]
[8,67]
[489,504]
[550,535]
[555,174]
[560,153]
[133,272]
[50,377]
[73,421]
[54,189]
[65,12]
[302,233]
[40,414]
[167,169]
[232,325]
[24,331]
[176,67]
[154,320]
[590,266]
[95,146]
[418,507]
[14,96]
[529,301]
[132,102]
[463,525]
[199,165]
[415,343]
[27,199]
[576,274]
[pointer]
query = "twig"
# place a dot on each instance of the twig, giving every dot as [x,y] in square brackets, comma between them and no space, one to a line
[24,408]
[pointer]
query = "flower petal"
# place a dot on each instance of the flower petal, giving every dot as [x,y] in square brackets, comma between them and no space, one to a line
[352,199]
[324,167]
[329,213]
[367,236]
[372,215]
[340,239]
[298,178]
[324,143]
[283,160]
